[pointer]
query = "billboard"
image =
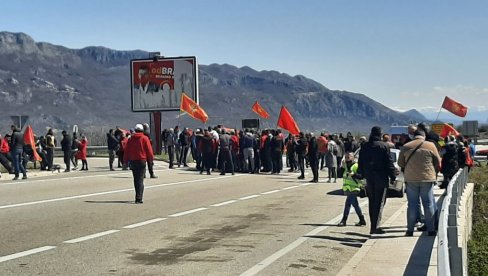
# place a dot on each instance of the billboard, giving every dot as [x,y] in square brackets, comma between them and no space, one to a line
[157,84]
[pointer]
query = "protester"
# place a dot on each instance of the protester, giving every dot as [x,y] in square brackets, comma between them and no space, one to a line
[449,154]
[420,160]
[112,147]
[387,140]
[351,187]
[277,146]
[170,145]
[207,147]
[291,152]
[247,147]
[350,145]
[150,164]
[66,148]
[16,151]
[74,150]
[331,159]
[313,157]
[376,165]
[138,151]
[225,158]
[301,148]
[323,144]
[81,154]
[5,155]
[184,142]
[50,144]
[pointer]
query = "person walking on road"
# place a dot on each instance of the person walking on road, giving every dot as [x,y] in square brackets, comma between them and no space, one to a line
[150,165]
[313,157]
[420,161]
[351,187]
[81,154]
[138,151]
[376,165]
[301,149]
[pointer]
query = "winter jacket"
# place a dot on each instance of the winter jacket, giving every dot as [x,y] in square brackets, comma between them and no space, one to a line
[449,159]
[375,161]
[66,143]
[138,148]
[17,140]
[112,142]
[423,165]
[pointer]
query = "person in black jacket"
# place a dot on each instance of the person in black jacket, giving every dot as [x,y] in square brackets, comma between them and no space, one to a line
[113,147]
[66,148]
[376,165]
[276,145]
[16,150]
[313,157]
[301,150]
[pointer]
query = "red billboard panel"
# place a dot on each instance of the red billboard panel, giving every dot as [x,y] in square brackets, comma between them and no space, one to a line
[156,85]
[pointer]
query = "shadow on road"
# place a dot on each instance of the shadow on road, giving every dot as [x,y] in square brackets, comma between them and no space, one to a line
[419,261]
[318,224]
[110,201]
[338,192]
[343,239]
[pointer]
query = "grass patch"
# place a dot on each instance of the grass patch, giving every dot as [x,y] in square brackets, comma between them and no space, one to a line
[478,245]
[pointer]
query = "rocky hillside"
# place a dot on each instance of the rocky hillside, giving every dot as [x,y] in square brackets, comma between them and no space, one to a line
[58,87]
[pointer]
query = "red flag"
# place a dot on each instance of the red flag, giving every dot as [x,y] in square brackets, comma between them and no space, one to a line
[286,121]
[29,140]
[192,108]
[256,107]
[454,107]
[447,130]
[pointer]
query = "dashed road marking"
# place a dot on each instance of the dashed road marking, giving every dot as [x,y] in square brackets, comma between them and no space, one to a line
[187,212]
[271,192]
[25,253]
[93,236]
[289,188]
[143,223]
[224,203]
[249,197]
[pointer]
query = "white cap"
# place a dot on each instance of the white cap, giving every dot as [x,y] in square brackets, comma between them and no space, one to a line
[139,127]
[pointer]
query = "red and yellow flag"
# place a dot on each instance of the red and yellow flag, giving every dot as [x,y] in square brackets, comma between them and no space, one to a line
[454,107]
[192,108]
[286,121]
[29,140]
[256,107]
[447,130]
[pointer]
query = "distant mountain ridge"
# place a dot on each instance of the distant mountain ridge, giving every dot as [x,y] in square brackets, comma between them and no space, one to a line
[58,87]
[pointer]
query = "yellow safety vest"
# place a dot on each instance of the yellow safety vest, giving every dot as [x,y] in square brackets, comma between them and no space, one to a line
[349,184]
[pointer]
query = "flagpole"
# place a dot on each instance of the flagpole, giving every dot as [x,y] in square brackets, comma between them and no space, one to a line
[439,113]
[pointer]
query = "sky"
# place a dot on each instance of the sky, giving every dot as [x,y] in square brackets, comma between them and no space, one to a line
[403,54]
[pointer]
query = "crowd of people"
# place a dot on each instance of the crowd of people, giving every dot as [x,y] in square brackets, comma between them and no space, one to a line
[423,155]
[16,152]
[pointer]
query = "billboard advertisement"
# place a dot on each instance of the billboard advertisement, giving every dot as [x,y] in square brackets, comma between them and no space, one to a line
[157,84]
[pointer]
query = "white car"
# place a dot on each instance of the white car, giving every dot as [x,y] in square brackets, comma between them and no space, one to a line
[395,153]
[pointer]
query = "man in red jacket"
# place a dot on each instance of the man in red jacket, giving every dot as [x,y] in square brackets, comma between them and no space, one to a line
[138,151]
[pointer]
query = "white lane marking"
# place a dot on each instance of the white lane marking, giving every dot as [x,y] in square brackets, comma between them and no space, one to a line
[248,197]
[109,192]
[306,184]
[271,192]
[25,253]
[89,237]
[187,212]
[143,223]
[280,253]
[224,203]
[289,188]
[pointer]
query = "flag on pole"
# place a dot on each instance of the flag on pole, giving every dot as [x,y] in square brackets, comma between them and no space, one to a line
[286,121]
[192,108]
[256,107]
[454,107]
[447,130]
[29,140]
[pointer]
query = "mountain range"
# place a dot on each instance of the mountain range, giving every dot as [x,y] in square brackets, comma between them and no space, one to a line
[59,87]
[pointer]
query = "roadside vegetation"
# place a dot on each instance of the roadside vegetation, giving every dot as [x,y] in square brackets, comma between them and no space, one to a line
[478,245]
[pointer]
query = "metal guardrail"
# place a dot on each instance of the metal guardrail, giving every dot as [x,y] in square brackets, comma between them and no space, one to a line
[449,251]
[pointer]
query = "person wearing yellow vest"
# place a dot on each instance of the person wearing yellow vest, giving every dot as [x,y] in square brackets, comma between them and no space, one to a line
[351,188]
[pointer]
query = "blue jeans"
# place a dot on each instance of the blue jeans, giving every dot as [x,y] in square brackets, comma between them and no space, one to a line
[17,161]
[423,191]
[352,199]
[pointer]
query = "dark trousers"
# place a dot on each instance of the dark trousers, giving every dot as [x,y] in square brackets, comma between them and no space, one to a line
[376,190]
[111,158]
[5,163]
[322,160]
[67,159]
[257,161]
[277,161]
[314,165]
[150,166]
[50,157]
[183,155]
[17,161]
[138,168]
[339,167]
[224,158]
[171,154]
[207,162]
[292,161]
[301,164]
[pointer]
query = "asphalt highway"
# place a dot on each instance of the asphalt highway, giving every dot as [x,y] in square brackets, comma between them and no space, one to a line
[85,223]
